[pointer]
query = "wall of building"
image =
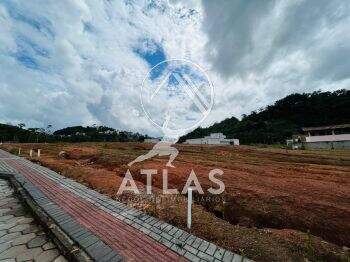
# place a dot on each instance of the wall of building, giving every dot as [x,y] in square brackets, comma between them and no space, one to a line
[212,141]
[327,145]
[194,141]
[329,138]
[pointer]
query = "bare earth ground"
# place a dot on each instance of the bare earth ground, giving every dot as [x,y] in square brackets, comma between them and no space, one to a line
[273,196]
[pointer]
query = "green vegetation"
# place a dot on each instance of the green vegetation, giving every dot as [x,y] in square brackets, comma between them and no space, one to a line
[70,134]
[271,125]
[18,134]
[310,247]
[95,134]
[281,120]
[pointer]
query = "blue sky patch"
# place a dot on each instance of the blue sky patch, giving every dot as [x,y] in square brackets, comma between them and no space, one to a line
[88,27]
[26,60]
[39,23]
[27,45]
[153,53]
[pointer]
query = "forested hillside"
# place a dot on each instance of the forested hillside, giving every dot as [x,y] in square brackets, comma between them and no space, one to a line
[15,133]
[285,117]
[10,133]
[95,133]
[272,124]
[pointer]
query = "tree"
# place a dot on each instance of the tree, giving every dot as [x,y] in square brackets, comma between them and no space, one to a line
[285,117]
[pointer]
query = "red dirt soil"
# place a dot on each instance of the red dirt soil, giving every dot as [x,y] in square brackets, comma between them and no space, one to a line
[286,192]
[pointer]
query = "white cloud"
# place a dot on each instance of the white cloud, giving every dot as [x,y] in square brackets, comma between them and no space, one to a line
[73,62]
[261,51]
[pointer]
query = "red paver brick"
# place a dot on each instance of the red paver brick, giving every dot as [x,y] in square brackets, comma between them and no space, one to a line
[131,243]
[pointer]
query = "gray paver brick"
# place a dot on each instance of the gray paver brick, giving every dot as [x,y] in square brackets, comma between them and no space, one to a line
[48,245]
[111,256]
[37,241]
[190,240]
[151,221]
[60,259]
[88,241]
[25,220]
[178,233]
[9,237]
[166,235]
[78,230]
[18,228]
[146,225]
[145,230]
[31,229]
[184,236]
[178,249]
[14,220]
[47,256]
[203,247]
[197,242]
[172,231]
[191,257]
[8,260]
[29,254]
[4,211]
[7,226]
[191,249]
[154,235]
[4,246]
[13,252]
[238,258]
[156,230]
[79,237]
[205,256]
[228,256]
[3,232]
[102,250]
[211,249]
[70,226]
[165,242]
[5,218]
[23,239]
[219,253]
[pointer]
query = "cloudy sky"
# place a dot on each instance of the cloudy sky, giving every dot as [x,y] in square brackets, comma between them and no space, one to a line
[82,62]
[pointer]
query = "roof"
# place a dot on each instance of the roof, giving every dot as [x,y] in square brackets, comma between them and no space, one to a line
[325,127]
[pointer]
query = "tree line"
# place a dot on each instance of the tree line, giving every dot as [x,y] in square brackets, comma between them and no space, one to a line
[269,125]
[277,122]
[11,133]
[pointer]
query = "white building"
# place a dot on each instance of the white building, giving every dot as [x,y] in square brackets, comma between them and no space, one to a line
[213,139]
[327,137]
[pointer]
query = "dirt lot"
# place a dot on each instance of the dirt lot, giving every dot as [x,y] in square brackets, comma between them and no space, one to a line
[273,197]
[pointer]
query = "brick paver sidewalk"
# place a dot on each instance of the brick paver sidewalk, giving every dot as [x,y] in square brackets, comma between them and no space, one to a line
[89,218]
